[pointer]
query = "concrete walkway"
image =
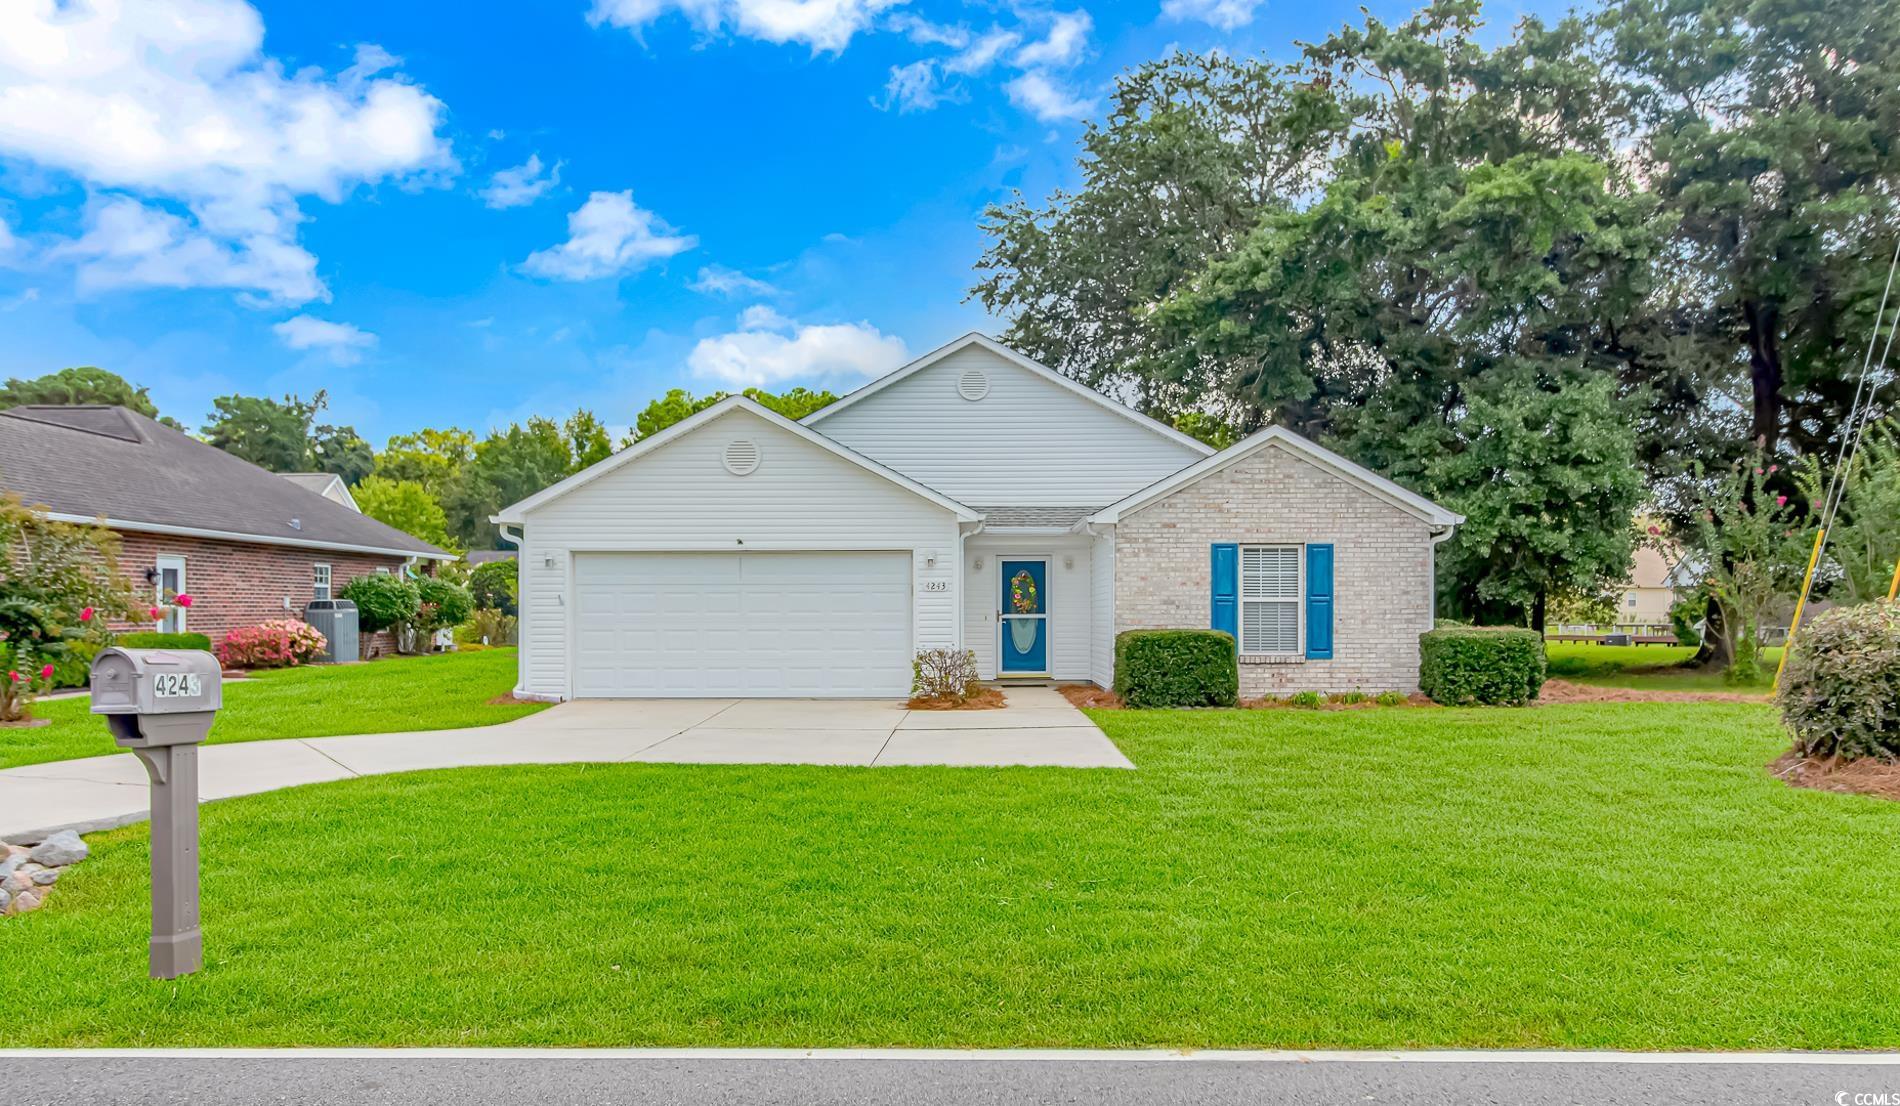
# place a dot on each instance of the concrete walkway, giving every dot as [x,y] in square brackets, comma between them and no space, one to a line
[1038,727]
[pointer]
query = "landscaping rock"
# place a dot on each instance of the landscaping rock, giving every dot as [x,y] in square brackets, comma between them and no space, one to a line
[26,903]
[6,900]
[18,881]
[45,877]
[8,864]
[61,849]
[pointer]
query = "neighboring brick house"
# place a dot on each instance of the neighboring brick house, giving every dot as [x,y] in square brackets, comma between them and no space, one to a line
[244,543]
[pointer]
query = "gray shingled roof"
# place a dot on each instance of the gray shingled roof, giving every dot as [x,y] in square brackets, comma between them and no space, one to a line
[1040,518]
[111,462]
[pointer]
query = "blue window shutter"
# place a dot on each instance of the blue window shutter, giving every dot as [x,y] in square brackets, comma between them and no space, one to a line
[1319,602]
[1226,589]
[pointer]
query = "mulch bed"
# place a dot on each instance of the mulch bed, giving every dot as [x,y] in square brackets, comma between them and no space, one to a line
[1865,776]
[1090,697]
[988,699]
[26,724]
[510,701]
[1563,691]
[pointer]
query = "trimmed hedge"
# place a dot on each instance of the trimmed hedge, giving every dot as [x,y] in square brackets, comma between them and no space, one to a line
[155,640]
[1840,695]
[1176,668]
[1482,665]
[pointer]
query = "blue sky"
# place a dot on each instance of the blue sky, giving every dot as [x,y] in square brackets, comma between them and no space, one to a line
[468,215]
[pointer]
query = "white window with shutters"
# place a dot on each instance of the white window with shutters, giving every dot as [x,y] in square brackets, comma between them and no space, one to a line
[1270,608]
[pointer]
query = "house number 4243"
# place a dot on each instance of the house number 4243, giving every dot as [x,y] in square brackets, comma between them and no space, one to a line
[934,585]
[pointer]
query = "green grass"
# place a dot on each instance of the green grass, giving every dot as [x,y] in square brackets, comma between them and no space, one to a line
[1604,875]
[405,693]
[1648,667]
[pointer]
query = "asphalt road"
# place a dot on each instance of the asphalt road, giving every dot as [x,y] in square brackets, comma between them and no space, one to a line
[576,1081]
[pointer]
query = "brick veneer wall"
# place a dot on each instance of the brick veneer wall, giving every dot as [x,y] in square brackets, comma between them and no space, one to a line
[234,584]
[1382,573]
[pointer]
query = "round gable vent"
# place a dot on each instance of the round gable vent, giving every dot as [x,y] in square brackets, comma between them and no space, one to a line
[974,384]
[741,458]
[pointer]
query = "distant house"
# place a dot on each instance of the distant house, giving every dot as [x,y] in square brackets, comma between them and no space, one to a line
[326,484]
[1650,593]
[246,544]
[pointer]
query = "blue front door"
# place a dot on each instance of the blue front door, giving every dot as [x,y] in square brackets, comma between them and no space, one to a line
[1025,617]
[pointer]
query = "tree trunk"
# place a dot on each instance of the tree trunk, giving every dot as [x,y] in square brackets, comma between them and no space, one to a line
[1764,374]
[1718,650]
[1539,609]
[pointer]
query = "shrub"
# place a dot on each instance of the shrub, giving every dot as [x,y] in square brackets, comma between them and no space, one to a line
[1485,665]
[1840,694]
[1307,699]
[440,604]
[1350,697]
[1684,613]
[155,640]
[496,586]
[73,668]
[277,643]
[491,626]
[1391,698]
[382,600]
[1176,668]
[947,674]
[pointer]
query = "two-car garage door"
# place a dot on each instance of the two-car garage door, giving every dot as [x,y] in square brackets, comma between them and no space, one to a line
[739,624]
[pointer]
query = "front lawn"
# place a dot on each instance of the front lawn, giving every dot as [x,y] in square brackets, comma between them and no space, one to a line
[1616,875]
[404,693]
[1645,667]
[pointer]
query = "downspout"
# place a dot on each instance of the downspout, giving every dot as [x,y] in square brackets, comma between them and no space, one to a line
[1431,584]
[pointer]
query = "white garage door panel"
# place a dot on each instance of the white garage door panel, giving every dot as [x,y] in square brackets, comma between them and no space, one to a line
[731,624]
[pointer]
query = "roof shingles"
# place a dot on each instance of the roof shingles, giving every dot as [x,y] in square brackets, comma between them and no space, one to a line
[108,462]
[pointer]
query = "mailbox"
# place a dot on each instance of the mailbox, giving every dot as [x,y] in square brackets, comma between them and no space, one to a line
[160,703]
[154,697]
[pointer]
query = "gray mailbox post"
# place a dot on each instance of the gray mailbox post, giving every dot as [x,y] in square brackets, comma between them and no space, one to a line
[159,703]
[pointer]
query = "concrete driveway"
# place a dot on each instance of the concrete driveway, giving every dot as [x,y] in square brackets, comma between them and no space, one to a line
[1037,727]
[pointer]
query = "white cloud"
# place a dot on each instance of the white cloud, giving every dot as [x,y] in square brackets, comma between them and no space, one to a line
[608,237]
[7,241]
[982,53]
[717,280]
[783,351]
[1228,15]
[925,33]
[130,244]
[1048,101]
[344,343]
[1068,37]
[521,185]
[824,25]
[175,101]
[914,87]
[761,317]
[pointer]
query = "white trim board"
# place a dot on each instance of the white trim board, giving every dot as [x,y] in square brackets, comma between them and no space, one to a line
[515,513]
[1324,458]
[255,539]
[999,349]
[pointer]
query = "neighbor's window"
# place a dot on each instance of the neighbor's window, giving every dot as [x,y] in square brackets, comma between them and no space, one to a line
[1270,599]
[320,582]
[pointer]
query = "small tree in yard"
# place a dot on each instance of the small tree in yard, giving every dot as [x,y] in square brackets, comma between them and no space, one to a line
[382,601]
[440,605]
[1752,550]
[495,585]
[59,584]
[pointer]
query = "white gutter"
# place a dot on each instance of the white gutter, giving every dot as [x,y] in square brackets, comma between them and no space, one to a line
[1431,583]
[513,539]
[228,535]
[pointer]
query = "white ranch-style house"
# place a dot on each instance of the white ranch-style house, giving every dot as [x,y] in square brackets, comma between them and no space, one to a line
[972,499]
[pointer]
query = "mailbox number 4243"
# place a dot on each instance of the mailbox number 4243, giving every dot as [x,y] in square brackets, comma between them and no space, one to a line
[176,685]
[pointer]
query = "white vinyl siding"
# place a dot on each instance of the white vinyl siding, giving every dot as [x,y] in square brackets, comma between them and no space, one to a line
[680,498]
[1028,441]
[1269,600]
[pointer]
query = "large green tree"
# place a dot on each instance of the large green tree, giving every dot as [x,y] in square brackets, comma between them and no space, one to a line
[1766,131]
[679,404]
[431,458]
[1193,151]
[284,436]
[406,505]
[508,466]
[77,385]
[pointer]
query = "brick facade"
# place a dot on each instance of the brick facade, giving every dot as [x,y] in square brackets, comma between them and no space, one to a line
[1382,572]
[236,584]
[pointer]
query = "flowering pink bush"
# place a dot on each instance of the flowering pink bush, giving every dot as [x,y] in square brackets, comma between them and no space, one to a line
[278,643]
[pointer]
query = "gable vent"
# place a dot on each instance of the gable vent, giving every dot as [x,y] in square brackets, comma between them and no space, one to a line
[974,384]
[741,457]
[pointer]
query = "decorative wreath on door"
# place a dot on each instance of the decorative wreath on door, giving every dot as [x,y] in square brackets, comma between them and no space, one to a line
[1022,593]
